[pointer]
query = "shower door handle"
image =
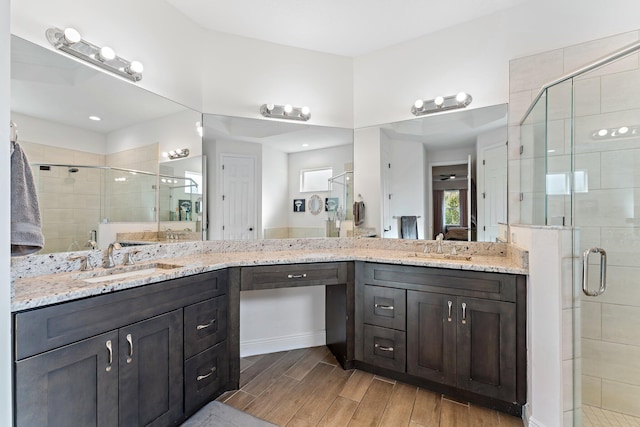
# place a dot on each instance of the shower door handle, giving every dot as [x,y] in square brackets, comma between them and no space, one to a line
[585,271]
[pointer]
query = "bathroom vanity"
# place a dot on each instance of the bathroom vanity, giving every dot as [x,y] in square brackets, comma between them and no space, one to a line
[153,349]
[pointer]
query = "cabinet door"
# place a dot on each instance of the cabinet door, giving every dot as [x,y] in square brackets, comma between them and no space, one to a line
[487,347]
[431,336]
[151,377]
[75,385]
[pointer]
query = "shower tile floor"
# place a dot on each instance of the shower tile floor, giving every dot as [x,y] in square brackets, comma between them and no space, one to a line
[597,417]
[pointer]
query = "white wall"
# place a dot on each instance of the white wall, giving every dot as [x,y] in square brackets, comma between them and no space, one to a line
[6,389]
[406,184]
[175,131]
[335,158]
[366,174]
[275,198]
[40,131]
[474,56]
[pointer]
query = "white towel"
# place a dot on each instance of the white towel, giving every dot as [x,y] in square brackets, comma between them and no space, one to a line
[26,225]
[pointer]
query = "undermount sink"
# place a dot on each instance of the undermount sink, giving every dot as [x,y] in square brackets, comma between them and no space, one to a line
[440,256]
[126,272]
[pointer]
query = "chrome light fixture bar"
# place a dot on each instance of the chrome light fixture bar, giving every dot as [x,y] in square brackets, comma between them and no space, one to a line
[285,112]
[441,103]
[176,154]
[70,41]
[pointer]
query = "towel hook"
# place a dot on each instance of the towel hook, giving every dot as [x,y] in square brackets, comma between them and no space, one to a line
[14,131]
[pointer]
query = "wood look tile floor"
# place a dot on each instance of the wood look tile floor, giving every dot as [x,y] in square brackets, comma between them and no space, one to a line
[307,387]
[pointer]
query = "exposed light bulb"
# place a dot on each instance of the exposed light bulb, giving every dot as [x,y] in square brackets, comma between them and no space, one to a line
[270,107]
[438,101]
[305,145]
[461,97]
[95,118]
[288,108]
[106,54]
[135,68]
[71,36]
[179,151]
[418,104]
[603,132]
[165,154]
[623,130]
[305,110]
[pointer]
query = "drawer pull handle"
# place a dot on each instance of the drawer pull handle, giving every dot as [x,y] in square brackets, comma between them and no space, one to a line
[297,276]
[110,349]
[464,313]
[383,307]
[450,304]
[130,342]
[200,327]
[383,348]
[201,377]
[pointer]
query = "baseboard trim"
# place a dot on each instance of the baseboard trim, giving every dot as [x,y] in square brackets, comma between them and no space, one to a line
[290,342]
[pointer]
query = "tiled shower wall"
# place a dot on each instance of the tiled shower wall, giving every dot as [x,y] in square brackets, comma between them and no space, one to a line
[72,204]
[609,349]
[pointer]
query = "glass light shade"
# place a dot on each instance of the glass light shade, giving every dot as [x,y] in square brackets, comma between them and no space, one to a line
[461,97]
[71,36]
[288,108]
[418,104]
[438,101]
[623,130]
[106,54]
[603,132]
[305,110]
[165,154]
[135,67]
[270,107]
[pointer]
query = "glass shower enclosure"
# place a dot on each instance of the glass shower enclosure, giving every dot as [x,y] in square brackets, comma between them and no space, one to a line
[580,168]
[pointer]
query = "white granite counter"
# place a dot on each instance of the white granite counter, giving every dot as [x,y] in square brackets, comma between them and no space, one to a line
[48,279]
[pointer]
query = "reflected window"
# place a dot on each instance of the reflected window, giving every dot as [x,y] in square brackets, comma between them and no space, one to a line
[315,179]
[451,207]
[197,177]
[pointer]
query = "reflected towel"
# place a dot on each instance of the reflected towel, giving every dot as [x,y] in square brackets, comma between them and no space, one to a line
[408,227]
[26,226]
[358,213]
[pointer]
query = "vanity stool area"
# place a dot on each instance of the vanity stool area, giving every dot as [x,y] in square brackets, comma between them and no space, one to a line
[155,354]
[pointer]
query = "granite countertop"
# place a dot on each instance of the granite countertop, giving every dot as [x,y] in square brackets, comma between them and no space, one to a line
[66,283]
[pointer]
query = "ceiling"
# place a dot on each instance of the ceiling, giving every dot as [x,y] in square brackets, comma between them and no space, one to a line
[348,28]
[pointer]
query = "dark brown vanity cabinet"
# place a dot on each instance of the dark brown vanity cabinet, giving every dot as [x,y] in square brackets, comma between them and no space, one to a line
[454,331]
[139,357]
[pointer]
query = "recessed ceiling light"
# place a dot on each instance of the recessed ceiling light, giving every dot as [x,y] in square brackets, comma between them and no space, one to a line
[95,118]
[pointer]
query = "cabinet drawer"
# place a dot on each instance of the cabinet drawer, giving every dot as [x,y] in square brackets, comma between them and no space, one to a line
[290,275]
[385,348]
[385,307]
[476,284]
[50,327]
[205,324]
[205,374]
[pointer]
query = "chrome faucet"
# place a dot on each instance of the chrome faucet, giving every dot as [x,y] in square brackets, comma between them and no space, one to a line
[109,263]
[85,263]
[128,257]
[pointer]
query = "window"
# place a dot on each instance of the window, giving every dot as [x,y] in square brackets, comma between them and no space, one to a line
[451,207]
[315,179]
[197,177]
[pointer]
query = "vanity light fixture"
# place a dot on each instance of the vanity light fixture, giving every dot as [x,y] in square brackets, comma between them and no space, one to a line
[616,133]
[441,103]
[285,112]
[70,41]
[176,154]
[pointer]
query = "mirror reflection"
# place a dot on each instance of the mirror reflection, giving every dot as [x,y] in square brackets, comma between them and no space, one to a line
[94,142]
[274,179]
[445,174]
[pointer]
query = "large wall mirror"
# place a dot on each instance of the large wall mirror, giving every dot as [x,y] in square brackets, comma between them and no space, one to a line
[273,179]
[445,173]
[95,144]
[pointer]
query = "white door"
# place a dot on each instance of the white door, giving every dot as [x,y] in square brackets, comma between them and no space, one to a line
[238,197]
[495,190]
